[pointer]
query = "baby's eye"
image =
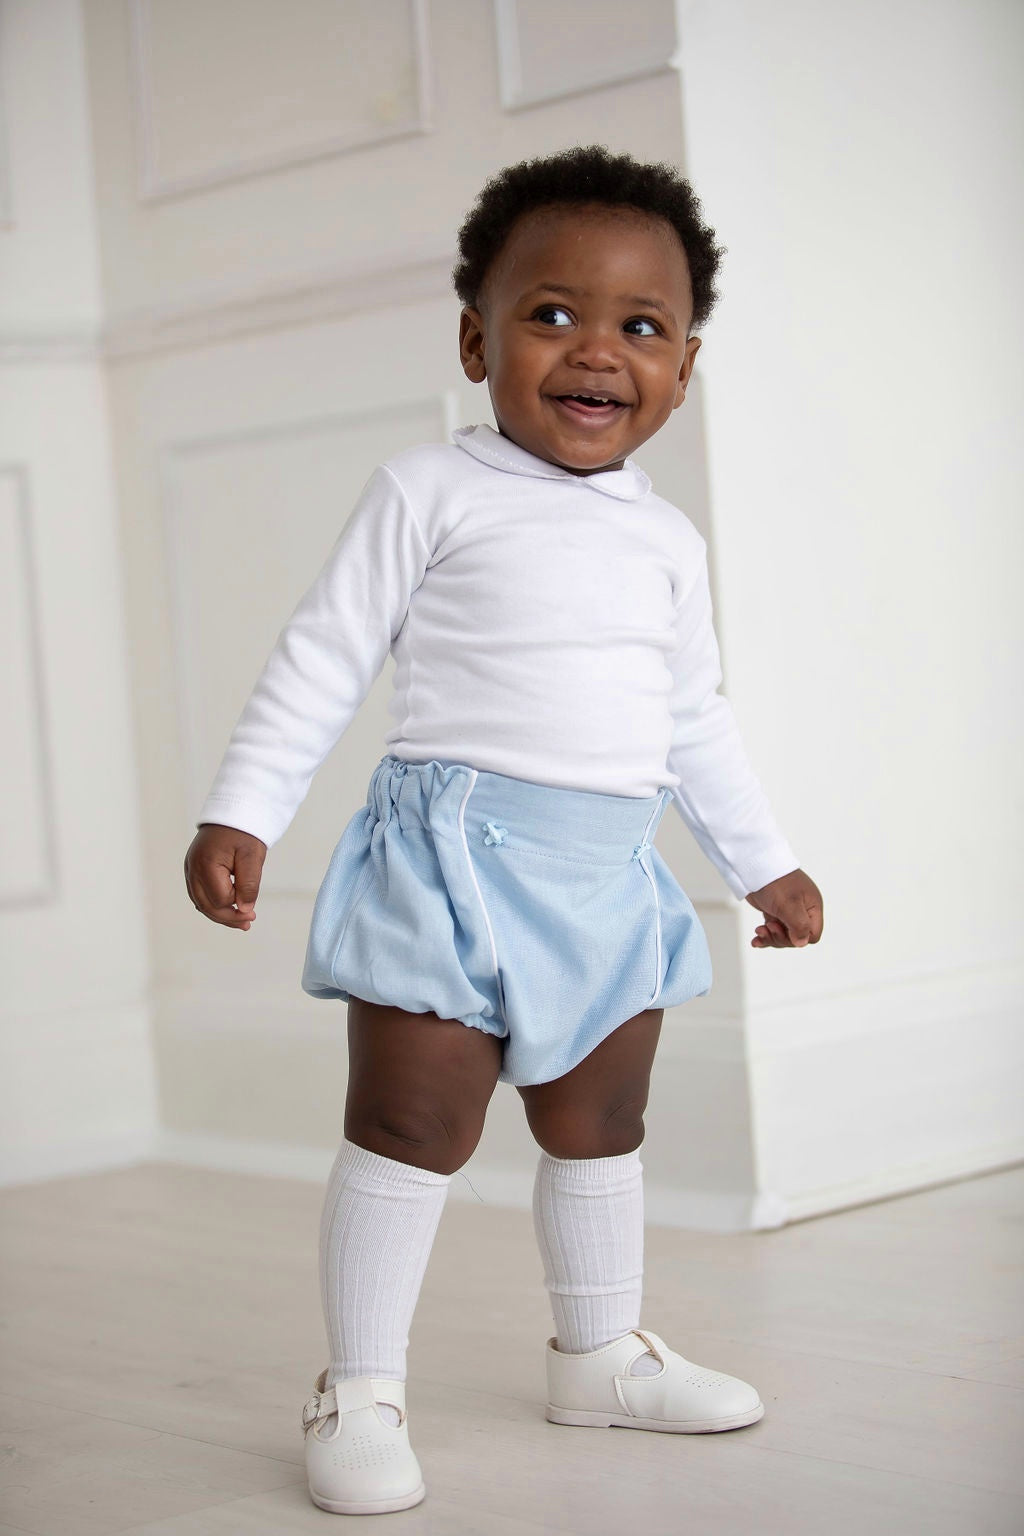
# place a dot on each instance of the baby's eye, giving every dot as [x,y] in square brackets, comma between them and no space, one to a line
[652,329]
[552,310]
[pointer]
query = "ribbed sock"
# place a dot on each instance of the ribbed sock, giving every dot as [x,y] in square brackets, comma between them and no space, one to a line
[377,1228]
[588,1215]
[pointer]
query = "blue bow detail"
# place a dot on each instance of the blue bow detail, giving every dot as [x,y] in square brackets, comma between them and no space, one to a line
[495,835]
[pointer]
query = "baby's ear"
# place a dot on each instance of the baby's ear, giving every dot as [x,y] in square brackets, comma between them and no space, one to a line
[692,348]
[471,344]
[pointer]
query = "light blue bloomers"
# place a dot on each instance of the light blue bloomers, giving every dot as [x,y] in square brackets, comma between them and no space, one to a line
[543,916]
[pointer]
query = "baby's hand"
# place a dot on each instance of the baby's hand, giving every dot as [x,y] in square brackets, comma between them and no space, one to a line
[793,908]
[215,854]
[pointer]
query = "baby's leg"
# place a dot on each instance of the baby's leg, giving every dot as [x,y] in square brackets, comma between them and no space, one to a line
[597,1109]
[418,1091]
[588,1193]
[418,1086]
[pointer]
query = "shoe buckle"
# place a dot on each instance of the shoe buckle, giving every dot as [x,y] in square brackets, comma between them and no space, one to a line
[320,1405]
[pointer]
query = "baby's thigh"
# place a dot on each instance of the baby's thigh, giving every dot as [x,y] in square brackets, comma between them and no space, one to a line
[418,1085]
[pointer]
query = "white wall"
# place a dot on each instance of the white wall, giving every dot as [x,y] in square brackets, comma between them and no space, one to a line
[274,316]
[863,399]
[76,1066]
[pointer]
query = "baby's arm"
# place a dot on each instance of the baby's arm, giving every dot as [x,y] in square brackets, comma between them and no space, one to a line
[719,796]
[324,662]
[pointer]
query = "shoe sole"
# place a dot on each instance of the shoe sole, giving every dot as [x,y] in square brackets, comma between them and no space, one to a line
[369,1506]
[667,1426]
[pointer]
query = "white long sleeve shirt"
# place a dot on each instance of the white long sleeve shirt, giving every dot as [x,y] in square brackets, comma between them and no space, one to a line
[547,626]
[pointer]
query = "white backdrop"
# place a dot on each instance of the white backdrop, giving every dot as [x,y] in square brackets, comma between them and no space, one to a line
[224,296]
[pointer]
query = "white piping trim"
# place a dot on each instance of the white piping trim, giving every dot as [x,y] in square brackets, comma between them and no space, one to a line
[480,898]
[657,908]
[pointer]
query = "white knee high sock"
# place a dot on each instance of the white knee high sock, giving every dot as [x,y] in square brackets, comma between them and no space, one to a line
[376,1231]
[588,1214]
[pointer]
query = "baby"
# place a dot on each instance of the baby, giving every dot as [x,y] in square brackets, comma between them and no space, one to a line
[497,911]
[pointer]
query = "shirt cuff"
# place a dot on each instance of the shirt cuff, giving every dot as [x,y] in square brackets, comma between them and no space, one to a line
[252,816]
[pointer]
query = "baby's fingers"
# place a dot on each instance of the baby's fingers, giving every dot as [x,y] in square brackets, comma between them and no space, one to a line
[771,935]
[214,896]
[248,870]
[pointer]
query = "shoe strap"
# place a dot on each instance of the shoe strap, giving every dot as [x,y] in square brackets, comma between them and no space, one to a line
[357,1392]
[654,1342]
[344,1396]
[624,1379]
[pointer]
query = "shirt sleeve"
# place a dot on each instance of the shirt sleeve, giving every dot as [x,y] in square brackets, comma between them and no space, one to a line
[718,795]
[324,663]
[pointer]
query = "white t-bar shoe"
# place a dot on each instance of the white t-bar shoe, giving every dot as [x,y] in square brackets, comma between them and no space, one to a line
[597,1390]
[359,1464]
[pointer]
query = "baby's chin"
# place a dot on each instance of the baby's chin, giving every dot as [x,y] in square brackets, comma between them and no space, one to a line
[587,460]
[592,469]
[585,464]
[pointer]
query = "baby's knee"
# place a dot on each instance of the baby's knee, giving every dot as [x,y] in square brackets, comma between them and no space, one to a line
[422,1138]
[580,1135]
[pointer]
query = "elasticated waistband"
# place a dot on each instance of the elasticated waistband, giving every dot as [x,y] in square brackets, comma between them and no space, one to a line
[495,810]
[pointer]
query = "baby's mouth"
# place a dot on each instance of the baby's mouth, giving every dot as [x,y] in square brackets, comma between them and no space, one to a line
[596,408]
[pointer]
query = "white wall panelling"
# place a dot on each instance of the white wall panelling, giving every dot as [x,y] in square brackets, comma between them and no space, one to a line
[236,312]
[546,52]
[392,204]
[85,346]
[244,87]
[77,1079]
[28,868]
[271,340]
[49,257]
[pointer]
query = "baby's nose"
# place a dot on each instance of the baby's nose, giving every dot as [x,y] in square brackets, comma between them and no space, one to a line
[598,349]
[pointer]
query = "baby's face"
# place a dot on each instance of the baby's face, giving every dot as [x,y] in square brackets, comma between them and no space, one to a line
[590,302]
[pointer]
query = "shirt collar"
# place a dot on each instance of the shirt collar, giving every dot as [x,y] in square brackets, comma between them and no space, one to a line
[626,484]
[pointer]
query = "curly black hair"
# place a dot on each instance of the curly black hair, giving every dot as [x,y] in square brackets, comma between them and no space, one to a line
[587,174]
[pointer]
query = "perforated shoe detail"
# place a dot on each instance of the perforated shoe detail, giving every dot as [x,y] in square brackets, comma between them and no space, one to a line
[363,1450]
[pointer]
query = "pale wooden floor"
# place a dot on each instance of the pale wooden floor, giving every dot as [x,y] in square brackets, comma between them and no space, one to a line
[161,1329]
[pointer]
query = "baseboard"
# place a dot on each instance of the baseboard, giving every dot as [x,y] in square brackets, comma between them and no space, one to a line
[892,1183]
[507,1188]
[67,1159]
[512,1188]
[504,1187]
